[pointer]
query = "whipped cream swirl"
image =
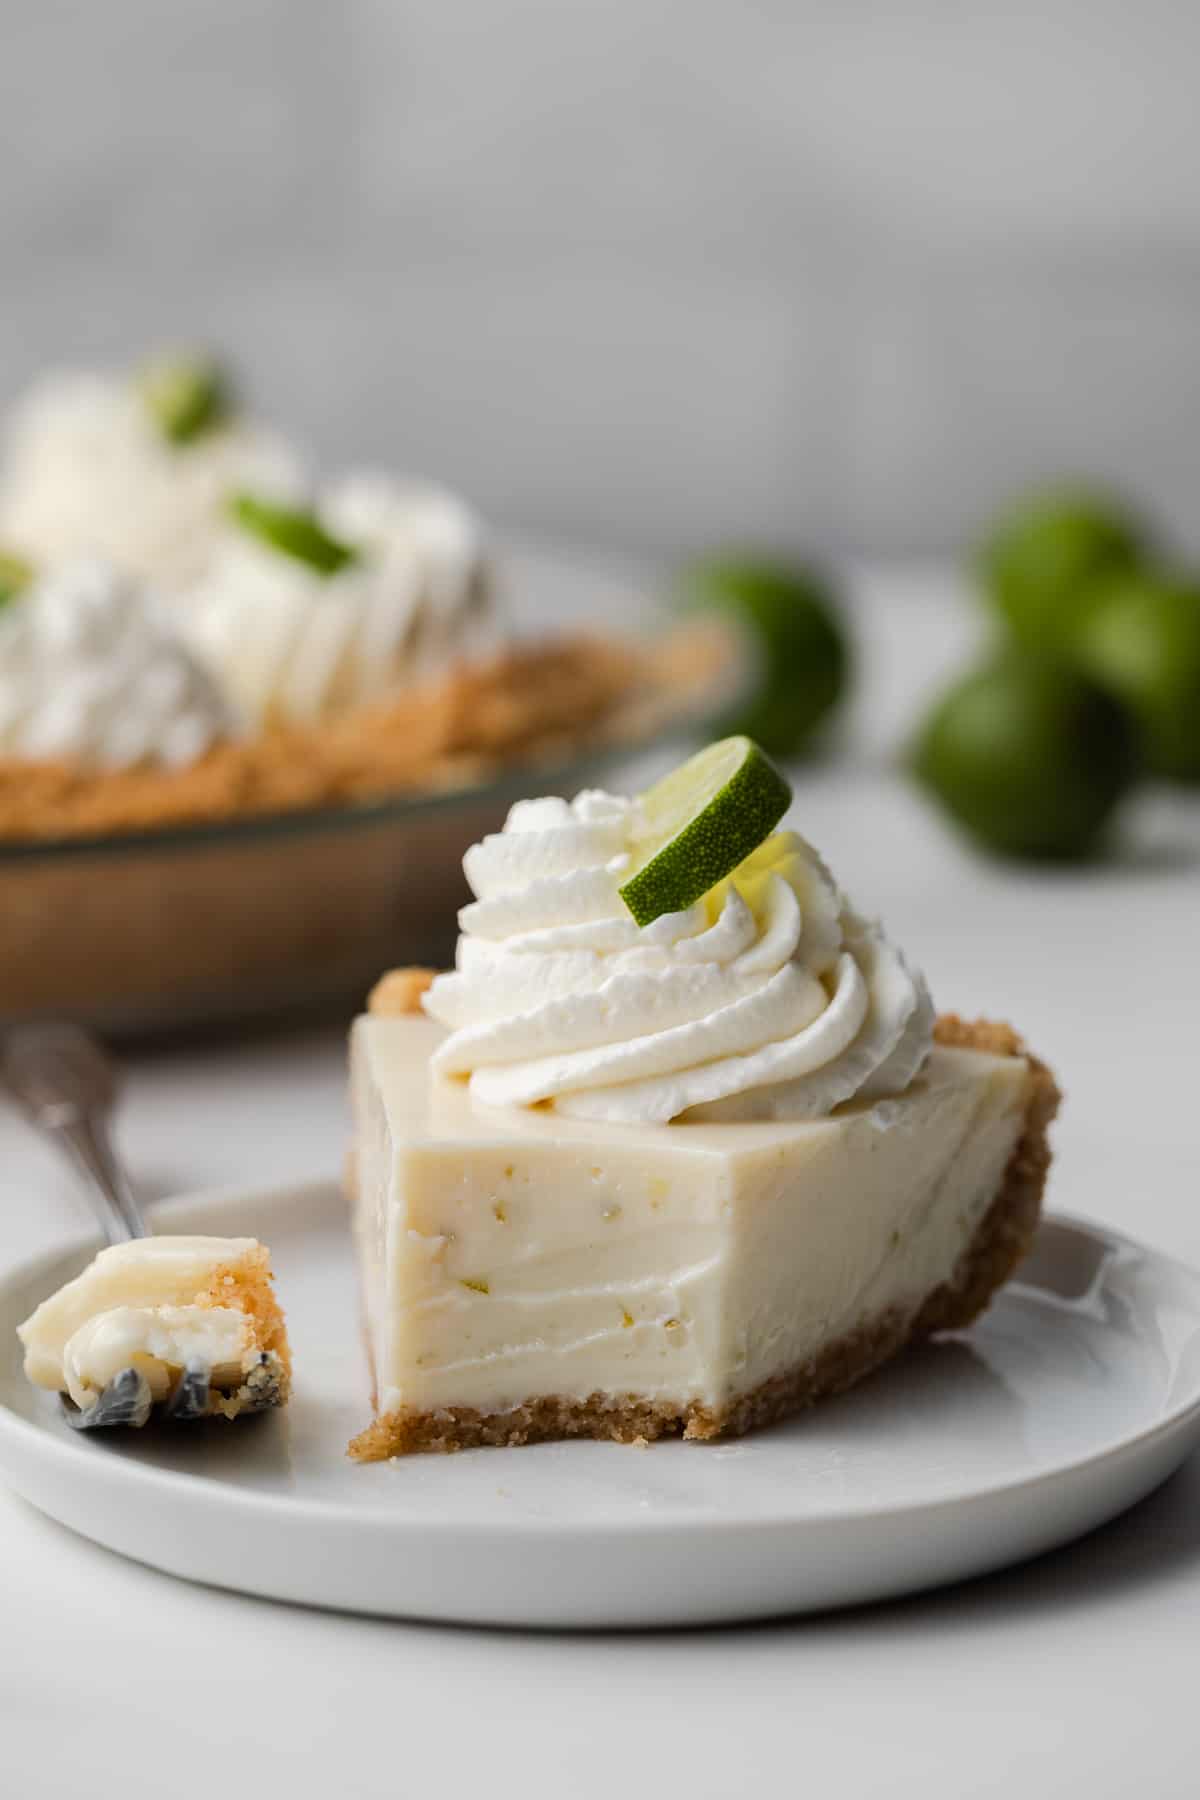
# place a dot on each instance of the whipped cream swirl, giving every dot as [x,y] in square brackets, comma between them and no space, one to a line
[90,673]
[769,999]
[294,645]
[87,472]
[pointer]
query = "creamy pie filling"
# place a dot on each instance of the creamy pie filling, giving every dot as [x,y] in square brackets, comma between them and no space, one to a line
[510,1254]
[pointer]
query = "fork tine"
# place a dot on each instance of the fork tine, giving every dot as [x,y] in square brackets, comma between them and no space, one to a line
[126,1400]
[190,1399]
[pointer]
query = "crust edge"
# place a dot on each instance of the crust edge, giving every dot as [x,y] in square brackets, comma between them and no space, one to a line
[248,1286]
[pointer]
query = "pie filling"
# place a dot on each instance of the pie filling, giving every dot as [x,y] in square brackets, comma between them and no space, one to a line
[525,1275]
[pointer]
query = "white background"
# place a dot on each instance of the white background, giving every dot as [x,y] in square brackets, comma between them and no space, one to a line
[1072,1676]
[641,272]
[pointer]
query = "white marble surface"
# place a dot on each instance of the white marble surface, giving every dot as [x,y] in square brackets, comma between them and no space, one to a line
[1071,1676]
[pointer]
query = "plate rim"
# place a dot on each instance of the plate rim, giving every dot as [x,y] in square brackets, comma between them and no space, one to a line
[120,1473]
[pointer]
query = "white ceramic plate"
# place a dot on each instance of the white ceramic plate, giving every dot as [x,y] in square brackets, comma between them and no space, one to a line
[1075,1395]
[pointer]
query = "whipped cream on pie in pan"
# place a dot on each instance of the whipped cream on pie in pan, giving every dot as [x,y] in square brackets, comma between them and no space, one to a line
[295,644]
[88,471]
[248,640]
[92,671]
[618,1182]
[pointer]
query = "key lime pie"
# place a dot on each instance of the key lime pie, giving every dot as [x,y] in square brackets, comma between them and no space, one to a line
[195,631]
[679,1146]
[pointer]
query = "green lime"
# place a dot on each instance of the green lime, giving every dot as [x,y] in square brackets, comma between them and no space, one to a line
[1028,756]
[798,643]
[1143,644]
[699,822]
[187,396]
[294,530]
[15,574]
[1043,560]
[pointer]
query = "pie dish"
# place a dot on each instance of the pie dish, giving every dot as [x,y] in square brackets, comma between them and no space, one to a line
[224,681]
[135,922]
[620,1181]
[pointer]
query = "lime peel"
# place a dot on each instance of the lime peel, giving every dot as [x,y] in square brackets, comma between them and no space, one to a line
[15,575]
[699,823]
[187,396]
[294,531]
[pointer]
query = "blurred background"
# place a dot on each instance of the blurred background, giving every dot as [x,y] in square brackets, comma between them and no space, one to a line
[642,274]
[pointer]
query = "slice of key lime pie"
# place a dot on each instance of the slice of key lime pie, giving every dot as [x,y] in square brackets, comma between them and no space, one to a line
[679,1145]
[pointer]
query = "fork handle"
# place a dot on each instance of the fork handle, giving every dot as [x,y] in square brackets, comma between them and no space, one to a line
[85,1137]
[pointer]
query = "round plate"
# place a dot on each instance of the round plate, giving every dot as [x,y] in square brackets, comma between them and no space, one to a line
[1075,1395]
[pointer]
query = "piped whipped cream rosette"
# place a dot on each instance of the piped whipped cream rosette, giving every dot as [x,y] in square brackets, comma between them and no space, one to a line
[134,469]
[429,548]
[308,612]
[92,672]
[767,998]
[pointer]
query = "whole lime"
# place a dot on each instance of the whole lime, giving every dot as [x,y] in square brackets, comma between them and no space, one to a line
[1029,757]
[799,646]
[1044,559]
[1143,644]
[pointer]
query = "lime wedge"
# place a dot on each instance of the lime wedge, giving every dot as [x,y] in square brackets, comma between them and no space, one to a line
[186,396]
[699,822]
[294,530]
[15,574]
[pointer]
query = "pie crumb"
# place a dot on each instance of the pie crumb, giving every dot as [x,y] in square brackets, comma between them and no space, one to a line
[399,992]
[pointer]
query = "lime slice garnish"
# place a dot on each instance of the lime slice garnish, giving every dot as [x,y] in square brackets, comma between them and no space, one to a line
[699,822]
[187,396]
[295,530]
[15,574]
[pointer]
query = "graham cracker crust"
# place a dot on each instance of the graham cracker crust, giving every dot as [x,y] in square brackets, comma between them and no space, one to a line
[524,704]
[399,991]
[1002,1239]
[246,1285]
[138,931]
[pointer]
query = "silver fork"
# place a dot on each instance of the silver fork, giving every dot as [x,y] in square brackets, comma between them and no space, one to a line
[67,1087]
